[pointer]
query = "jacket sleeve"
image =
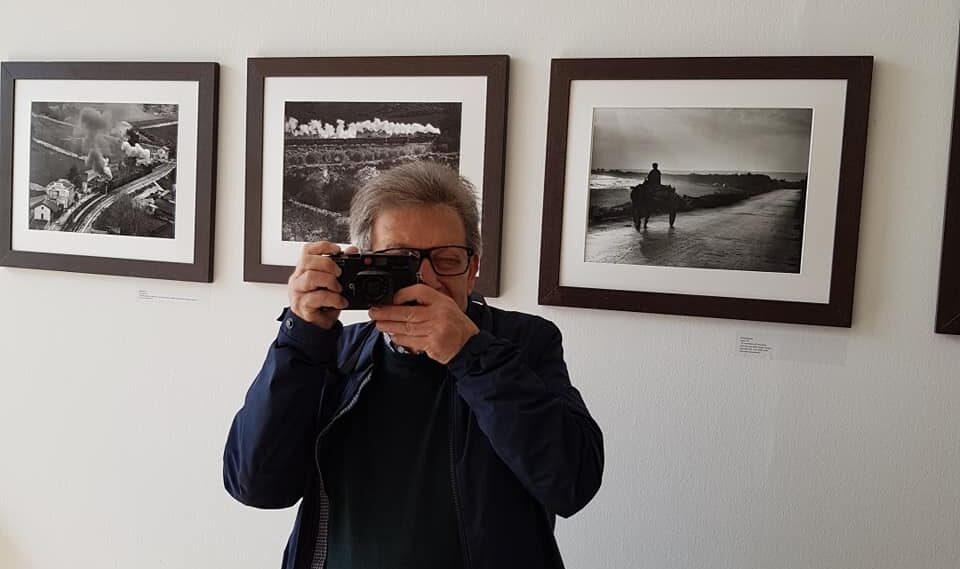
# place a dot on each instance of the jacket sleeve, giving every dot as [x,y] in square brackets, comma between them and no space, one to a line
[535,419]
[269,451]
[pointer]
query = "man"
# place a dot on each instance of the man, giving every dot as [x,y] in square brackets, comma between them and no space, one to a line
[444,433]
[653,178]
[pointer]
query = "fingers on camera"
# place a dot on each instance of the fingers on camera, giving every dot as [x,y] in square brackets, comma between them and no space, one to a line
[312,280]
[317,263]
[324,299]
[319,248]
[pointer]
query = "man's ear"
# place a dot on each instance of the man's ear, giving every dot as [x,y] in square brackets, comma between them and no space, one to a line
[472,273]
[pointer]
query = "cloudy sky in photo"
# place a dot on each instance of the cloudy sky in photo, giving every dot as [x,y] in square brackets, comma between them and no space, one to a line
[701,139]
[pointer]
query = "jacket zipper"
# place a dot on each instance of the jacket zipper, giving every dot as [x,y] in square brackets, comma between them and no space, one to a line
[451,432]
[319,558]
[339,414]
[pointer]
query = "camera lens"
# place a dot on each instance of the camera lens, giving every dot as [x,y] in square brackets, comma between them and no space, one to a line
[373,287]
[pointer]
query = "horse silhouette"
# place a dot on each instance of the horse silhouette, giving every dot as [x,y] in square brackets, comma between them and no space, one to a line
[651,199]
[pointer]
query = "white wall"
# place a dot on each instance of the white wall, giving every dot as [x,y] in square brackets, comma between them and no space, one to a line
[113,410]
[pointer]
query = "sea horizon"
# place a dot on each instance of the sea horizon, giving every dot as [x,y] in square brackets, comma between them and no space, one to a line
[646,171]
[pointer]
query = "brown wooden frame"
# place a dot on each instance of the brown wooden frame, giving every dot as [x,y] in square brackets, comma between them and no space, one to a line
[494,67]
[207,77]
[948,301]
[857,71]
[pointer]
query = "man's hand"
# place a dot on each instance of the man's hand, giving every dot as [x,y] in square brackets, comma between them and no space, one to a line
[313,288]
[435,325]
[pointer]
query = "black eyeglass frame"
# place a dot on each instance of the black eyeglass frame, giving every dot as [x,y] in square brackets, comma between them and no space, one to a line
[428,254]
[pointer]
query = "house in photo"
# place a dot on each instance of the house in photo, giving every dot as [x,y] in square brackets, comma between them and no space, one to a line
[47,210]
[143,201]
[63,192]
[162,208]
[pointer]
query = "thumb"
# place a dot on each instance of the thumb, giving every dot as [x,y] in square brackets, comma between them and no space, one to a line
[419,293]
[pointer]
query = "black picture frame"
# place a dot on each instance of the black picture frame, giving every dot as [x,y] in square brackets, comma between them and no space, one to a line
[856,71]
[206,76]
[948,298]
[495,68]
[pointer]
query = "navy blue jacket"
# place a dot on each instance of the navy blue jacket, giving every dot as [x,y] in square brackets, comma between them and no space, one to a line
[523,447]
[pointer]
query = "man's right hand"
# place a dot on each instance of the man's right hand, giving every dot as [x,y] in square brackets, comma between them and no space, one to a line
[313,288]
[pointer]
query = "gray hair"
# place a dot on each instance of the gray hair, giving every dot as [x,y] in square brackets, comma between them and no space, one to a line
[415,184]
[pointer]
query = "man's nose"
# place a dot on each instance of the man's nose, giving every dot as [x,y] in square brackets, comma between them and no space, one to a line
[427,275]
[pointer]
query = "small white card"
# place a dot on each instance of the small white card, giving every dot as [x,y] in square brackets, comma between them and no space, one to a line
[166,296]
[792,347]
[754,347]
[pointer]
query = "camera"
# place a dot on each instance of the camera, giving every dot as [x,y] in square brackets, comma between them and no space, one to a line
[370,278]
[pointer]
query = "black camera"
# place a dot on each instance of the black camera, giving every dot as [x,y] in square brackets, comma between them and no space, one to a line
[370,278]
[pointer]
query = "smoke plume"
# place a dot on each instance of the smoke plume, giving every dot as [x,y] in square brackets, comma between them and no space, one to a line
[140,153]
[92,125]
[98,163]
[376,128]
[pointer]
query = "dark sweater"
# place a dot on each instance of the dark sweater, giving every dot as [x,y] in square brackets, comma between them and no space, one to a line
[388,471]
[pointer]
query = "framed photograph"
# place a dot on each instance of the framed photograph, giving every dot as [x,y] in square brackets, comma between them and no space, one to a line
[109,168]
[948,301]
[318,128]
[723,187]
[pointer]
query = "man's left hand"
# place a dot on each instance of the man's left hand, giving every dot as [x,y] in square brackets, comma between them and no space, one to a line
[435,325]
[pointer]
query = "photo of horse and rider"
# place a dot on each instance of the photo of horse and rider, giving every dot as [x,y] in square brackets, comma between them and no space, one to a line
[714,188]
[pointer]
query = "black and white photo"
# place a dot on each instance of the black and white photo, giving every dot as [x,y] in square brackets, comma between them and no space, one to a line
[318,128]
[708,186]
[332,148]
[107,168]
[716,188]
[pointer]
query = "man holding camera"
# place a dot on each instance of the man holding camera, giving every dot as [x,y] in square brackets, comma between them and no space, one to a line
[441,433]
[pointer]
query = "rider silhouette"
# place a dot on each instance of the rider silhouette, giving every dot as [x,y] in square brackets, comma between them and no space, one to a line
[652,197]
[653,178]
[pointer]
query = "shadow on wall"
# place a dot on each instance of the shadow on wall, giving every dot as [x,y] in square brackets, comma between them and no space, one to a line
[9,555]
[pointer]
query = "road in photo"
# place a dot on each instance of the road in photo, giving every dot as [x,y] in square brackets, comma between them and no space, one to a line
[757,234]
[699,187]
[332,148]
[105,168]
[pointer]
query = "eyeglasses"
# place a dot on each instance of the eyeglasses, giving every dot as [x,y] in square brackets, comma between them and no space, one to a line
[446,260]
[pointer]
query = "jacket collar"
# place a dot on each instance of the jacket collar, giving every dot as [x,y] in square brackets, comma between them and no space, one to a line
[356,348]
[479,312]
